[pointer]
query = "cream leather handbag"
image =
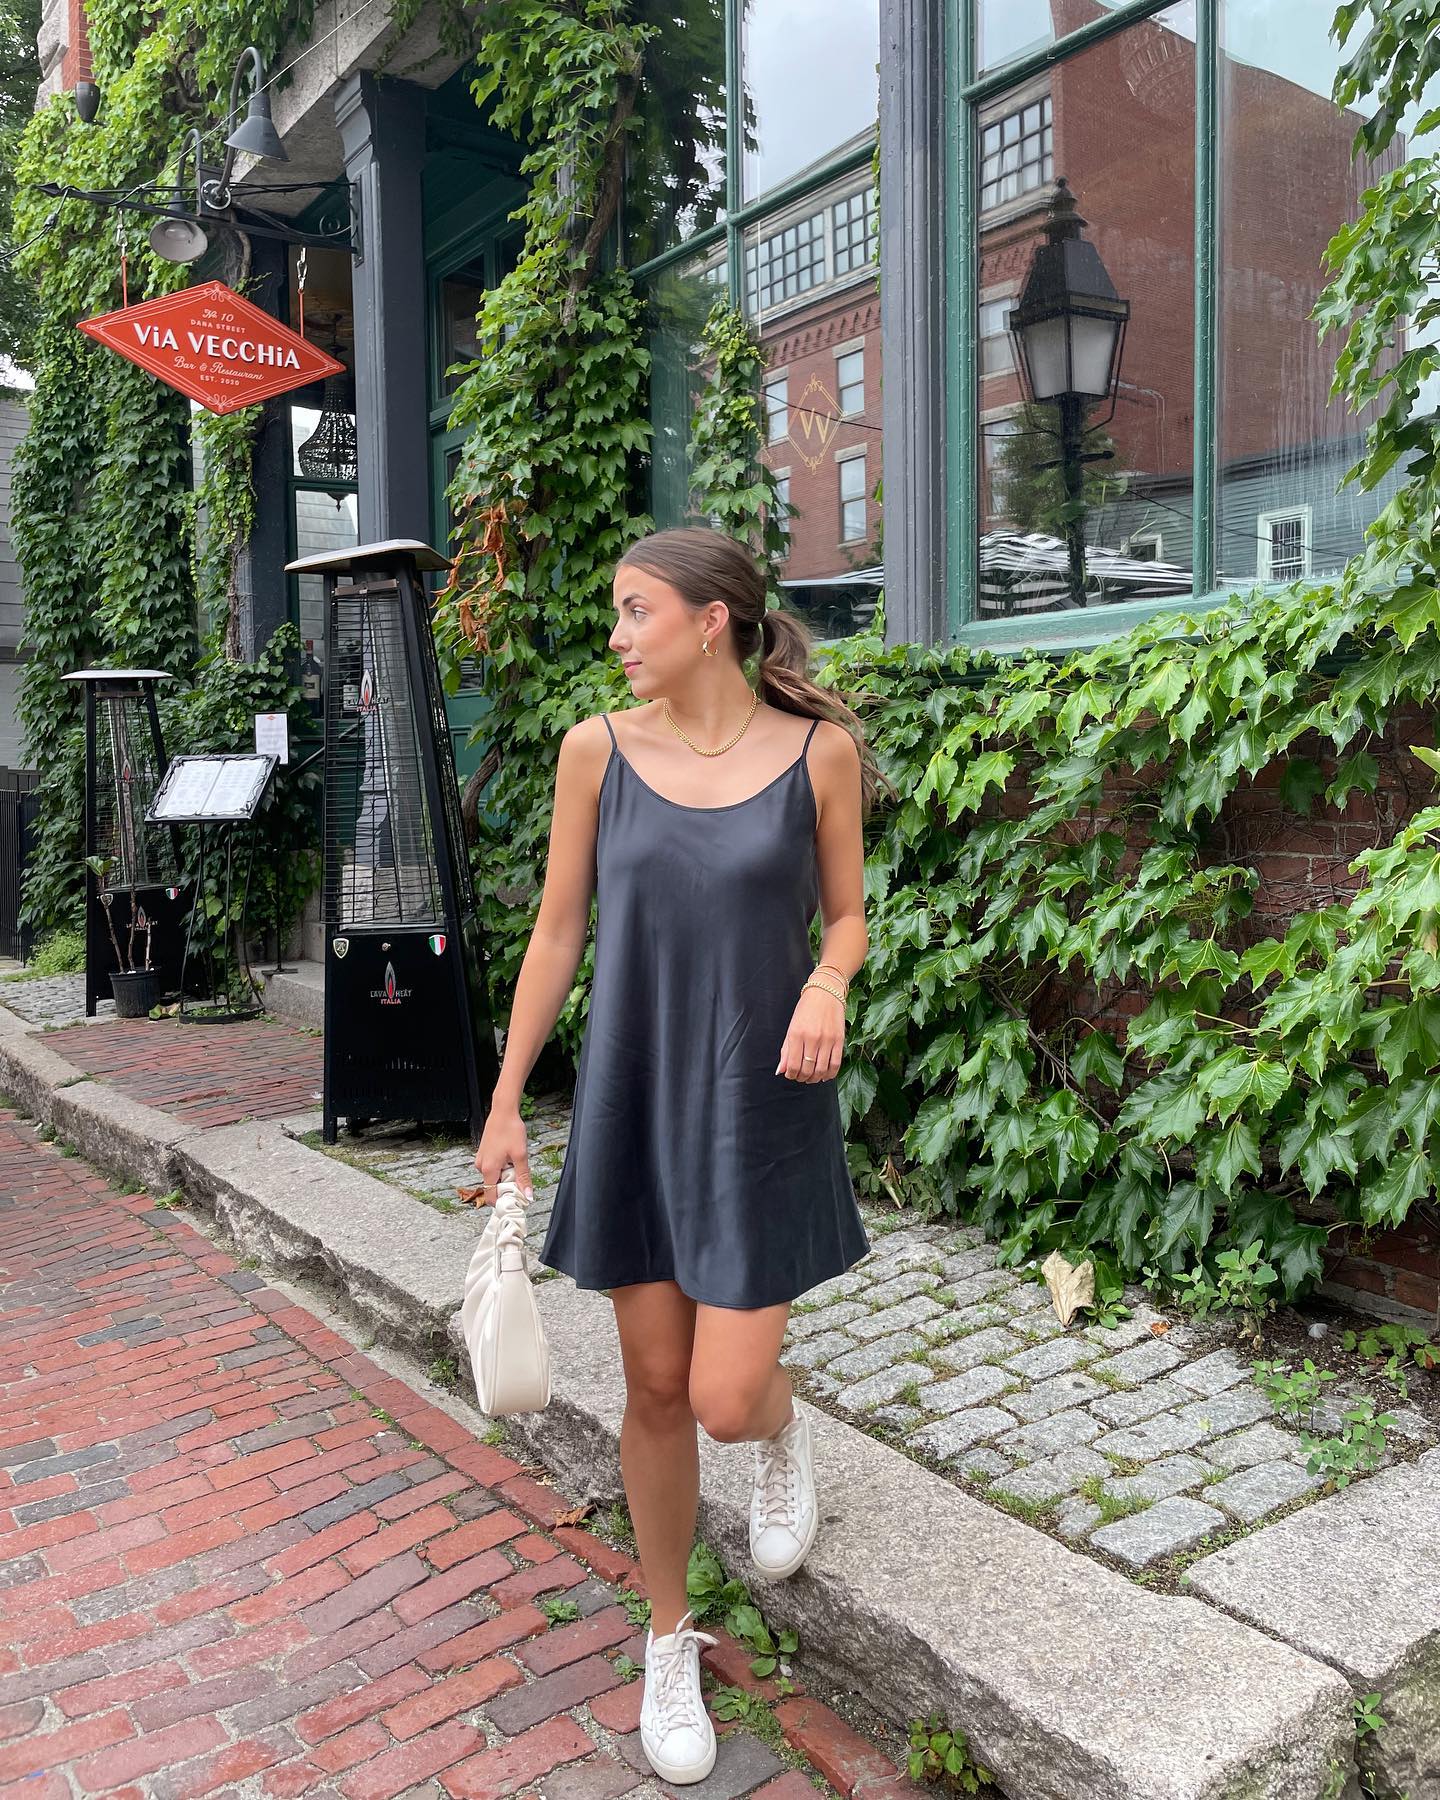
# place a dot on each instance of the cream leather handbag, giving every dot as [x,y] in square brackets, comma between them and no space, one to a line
[499,1316]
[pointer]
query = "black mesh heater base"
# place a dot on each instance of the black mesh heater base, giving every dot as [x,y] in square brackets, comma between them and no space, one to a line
[407,1031]
[125,761]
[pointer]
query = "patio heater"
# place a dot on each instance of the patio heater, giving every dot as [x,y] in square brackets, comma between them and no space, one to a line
[1068,331]
[125,762]
[407,1030]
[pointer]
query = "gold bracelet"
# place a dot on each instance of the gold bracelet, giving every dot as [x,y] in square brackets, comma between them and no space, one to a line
[839,974]
[825,987]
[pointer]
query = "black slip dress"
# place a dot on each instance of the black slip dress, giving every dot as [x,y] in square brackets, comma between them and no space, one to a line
[689,1159]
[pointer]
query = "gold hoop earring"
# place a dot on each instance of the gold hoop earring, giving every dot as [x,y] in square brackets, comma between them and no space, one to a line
[705,649]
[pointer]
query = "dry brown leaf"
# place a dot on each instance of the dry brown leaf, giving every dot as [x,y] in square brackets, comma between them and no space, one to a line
[576,1514]
[1071,1286]
[1159,1326]
[474,1196]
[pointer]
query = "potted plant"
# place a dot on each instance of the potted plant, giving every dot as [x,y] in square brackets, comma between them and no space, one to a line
[136,990]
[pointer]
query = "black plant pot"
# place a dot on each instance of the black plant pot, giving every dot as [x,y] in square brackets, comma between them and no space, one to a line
[135,991]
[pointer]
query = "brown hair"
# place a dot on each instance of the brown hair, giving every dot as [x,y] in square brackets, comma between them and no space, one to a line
[703,565]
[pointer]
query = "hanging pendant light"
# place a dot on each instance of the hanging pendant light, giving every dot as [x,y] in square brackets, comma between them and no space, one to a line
[328,456]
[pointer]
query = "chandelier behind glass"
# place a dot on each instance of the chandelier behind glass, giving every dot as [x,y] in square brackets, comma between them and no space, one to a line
[328,455]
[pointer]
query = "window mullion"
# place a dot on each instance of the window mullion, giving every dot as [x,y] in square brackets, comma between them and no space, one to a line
[734,151]
[961,284]
[1207,253]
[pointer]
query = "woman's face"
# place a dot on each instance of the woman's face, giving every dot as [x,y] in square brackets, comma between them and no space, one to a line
[656,635]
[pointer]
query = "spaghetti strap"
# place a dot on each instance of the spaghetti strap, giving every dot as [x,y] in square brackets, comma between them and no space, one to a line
[611,729]
[804,748]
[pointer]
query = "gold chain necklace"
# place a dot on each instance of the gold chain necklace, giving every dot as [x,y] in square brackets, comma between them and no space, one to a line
[754,702]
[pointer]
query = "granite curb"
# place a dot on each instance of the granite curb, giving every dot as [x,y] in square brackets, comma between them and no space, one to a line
[1073,1682]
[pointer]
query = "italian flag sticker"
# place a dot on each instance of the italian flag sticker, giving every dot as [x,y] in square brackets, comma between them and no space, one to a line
[437,942]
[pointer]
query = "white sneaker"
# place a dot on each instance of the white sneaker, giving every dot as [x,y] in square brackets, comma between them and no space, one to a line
[675,1728]
[783,1514]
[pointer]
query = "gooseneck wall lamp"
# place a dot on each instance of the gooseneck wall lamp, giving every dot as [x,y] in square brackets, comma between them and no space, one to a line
[179,233]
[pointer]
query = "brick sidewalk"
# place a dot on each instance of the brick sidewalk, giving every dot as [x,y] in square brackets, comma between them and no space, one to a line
[221,1573]
[205,1074]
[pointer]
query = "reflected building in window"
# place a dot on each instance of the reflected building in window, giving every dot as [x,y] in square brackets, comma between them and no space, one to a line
[1117,122]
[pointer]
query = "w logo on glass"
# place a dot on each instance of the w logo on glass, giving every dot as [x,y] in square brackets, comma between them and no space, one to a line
[812,423]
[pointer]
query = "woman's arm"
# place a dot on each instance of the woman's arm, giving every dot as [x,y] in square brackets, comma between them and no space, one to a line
[817,1029]
[557,943]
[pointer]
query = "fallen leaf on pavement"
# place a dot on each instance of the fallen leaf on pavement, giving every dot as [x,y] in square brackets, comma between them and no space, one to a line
[1070,1286]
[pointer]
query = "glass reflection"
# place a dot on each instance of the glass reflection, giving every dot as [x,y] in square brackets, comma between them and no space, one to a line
[680,299]
[811,292]
[1086,316]
[811,84]
[675,171]
[1288,183]
[1009,29]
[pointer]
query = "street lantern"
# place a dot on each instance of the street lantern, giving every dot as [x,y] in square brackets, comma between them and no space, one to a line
[1068,332]
[1069,326]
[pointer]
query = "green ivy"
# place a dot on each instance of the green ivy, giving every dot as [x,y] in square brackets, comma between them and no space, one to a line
[105,516]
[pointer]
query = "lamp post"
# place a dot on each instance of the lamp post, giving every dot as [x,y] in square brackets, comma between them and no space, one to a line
[1068,331]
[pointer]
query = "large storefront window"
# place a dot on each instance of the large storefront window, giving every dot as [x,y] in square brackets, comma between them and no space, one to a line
[1127,453]
[1148,192]
[794,228]
[1288,181]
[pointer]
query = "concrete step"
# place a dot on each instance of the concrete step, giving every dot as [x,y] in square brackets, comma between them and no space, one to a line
[298,994]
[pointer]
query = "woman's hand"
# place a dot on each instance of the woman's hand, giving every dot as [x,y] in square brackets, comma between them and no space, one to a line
[815,1041]
[502,1144]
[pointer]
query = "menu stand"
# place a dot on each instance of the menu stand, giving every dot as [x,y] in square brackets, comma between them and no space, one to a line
[221,791]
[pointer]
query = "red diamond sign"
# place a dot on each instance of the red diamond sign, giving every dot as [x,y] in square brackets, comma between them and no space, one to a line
[213,345]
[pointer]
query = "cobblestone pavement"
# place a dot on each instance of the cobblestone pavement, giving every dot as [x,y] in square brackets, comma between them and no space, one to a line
[1141,1440]
[239,1559]
[51,999]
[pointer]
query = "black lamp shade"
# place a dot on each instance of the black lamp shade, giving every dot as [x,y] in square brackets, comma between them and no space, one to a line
[1069,325]
[256,134]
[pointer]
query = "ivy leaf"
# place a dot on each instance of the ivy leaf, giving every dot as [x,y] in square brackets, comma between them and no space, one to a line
[1190,1214]
[1409,1032]
[1097,1055]
[1300,781]
[1358,772]
[1230,1153]
[937,1126]
[856,1089]
[1237,1079]
[1389,1198]
[1270,957]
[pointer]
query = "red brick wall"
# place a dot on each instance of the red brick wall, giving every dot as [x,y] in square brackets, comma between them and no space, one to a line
[75,64]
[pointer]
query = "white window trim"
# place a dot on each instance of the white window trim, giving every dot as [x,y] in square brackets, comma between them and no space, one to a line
[857,349]
[1265,544]
[1012,101]
[850,452]
[1146,537]
[854,343]
[772,416]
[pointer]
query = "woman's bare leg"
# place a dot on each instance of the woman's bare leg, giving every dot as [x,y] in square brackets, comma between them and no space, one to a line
[659,1448]
[738,1390]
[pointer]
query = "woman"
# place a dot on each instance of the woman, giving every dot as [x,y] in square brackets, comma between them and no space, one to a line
[705,1183]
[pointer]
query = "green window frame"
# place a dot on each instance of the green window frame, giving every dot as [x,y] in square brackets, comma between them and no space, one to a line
[967,90]
[852,234]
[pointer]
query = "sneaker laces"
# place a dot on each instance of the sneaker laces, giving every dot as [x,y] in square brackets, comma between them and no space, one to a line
[676,1699]
[777,1481]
